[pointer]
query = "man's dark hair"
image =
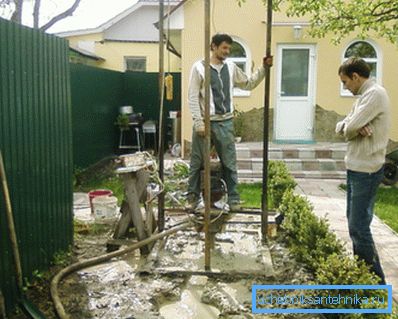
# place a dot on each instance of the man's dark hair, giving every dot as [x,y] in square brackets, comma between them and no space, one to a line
[355,65]
[219,38]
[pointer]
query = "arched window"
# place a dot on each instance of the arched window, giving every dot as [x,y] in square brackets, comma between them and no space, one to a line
[368,52]
[240,55]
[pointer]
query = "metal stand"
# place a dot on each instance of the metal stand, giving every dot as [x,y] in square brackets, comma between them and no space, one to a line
[149,127]
[134,130]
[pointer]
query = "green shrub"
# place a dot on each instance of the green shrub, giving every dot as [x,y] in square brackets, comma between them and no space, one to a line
[279,181]
[311,241]
[308,236]
[337,269]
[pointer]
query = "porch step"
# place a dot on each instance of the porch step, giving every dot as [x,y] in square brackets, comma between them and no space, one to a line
[323,161]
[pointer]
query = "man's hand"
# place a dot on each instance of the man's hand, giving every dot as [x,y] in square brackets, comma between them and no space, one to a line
[268,61]
[365,131]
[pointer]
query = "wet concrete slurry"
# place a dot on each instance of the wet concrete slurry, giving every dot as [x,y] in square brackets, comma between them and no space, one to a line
[329,202]
[171,282]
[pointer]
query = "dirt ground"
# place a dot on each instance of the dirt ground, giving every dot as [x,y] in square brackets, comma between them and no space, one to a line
[129,287]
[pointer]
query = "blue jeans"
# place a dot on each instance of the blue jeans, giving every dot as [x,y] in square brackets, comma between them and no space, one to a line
[222,137]
[361,196]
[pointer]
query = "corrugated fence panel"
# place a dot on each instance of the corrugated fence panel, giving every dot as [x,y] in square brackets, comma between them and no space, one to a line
[97,95]
[36,142]
[142,91]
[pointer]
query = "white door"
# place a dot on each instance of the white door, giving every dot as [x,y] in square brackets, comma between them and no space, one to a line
[295,101]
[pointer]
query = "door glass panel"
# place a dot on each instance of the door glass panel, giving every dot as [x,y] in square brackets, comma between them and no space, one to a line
[295,72]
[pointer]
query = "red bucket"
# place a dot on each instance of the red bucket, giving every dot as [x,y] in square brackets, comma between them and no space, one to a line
[96,193]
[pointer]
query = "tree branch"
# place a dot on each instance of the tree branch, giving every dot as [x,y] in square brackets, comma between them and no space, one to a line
[36,14]
[61,16]
[17,14]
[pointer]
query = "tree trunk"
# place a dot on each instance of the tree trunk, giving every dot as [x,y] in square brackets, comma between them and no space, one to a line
[17,14]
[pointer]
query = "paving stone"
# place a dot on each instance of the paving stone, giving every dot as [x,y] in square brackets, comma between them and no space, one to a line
[323,153]
[329,201]
[291,153]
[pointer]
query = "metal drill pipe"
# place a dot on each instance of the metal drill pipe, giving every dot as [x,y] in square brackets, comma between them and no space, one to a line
[161,116]
[264,198]
[207,135]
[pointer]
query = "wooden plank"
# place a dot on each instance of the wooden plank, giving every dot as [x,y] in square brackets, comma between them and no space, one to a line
[134,186]
[125,222]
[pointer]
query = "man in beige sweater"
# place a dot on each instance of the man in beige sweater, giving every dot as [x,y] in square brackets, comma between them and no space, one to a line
[366,131]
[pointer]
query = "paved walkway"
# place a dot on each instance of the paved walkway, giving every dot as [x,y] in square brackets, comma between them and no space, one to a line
[329,202]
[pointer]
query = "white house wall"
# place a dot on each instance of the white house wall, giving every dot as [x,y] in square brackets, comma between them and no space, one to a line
[138,26]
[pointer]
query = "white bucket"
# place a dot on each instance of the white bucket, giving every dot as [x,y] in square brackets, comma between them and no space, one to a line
[104,207]
[173,114]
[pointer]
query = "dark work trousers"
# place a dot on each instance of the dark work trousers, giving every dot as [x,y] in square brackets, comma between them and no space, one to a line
[222,137]
[361,196]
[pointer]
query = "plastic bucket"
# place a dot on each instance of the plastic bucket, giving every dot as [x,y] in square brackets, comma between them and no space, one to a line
[98,192]
[104,207]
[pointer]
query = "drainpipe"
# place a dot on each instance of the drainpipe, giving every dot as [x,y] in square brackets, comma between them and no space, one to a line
[264,199]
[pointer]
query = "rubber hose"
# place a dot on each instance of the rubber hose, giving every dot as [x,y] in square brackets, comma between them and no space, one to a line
[97,260]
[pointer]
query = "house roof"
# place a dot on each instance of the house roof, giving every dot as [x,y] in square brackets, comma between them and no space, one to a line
[118,17]
[86,53]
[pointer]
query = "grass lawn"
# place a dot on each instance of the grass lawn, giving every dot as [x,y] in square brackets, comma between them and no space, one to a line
[386,207]
[250,195]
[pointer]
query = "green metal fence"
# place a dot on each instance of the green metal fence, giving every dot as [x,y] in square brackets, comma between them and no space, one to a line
[36,142]
[97,95]
[43,99]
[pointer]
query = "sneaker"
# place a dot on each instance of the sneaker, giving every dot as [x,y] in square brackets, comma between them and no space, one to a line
[200,205]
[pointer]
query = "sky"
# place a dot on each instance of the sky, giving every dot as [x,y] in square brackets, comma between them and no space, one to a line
[89,14]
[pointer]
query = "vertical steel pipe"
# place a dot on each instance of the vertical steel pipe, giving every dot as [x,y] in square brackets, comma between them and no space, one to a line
[161,115]
[207,135]
[264,199]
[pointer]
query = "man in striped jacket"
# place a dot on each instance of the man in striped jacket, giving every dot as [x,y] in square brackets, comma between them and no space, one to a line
[366,130]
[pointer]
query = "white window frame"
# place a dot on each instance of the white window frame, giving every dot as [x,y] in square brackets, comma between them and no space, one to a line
[135,57]
[237,91]
[378,60]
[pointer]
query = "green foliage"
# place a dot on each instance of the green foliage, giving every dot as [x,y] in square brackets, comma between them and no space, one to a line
[337,269]
[309,237]
[279,181]
[181,170]
[239,124]
[386,206]
[311,241]
[62,257]
[376,18]
[344,270]
[122,121]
